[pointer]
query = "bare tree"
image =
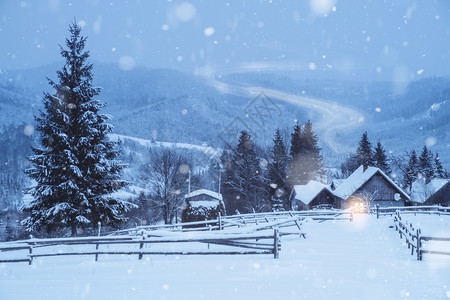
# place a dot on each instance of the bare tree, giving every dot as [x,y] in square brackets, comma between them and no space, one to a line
[367,197]
[168,176]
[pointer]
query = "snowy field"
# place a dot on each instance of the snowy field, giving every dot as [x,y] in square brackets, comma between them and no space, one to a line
[364,259]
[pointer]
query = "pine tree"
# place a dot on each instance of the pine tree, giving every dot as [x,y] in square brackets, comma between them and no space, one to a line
[226,181]
[364,153]
[296,141]
[246,181]
[381,159]
[277,168]
[439,168]
[426,161]
[75,166]
[306,164]
[312,161]
[411,171]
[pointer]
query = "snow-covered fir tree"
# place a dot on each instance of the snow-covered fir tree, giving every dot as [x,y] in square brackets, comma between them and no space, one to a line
[75,166]
[296,146]
[244,179]
[381,159]
[277,169]
[296,141]
[426,163]
[439,171]
[313,162]
[410,171]
[364,152]
[306,164]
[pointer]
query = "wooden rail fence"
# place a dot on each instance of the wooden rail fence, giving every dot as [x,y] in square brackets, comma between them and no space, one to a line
[247,241]
[423,209]
[414,238]
[244,220]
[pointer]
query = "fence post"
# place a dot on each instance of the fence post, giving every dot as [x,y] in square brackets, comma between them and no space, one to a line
[351,216]
[99,227]
[141,245]
[419,253]
[378,211]
[220,221]
[276,242]
[96,254]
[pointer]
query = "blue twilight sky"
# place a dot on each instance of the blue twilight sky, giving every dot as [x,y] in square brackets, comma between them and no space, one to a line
[360,39]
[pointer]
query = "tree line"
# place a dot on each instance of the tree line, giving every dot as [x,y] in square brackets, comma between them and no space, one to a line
[255,180]
[410,166]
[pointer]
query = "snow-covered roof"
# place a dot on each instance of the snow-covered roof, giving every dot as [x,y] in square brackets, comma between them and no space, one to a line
[307,192]
[435,185]
[420,191]
[205,203]
[204,192]
[360,177]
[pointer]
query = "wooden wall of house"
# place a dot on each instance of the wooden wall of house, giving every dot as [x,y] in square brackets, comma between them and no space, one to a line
[381,188]
[325,197]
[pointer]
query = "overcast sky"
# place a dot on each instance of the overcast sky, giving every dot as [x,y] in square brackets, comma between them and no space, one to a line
[381,40]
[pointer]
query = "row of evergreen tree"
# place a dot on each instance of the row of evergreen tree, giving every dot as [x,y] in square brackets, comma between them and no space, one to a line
[411,167]
[255,180]
[367,155]
[426,166]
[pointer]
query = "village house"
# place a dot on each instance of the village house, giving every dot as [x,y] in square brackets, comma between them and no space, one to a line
[436,191]
[312,195]
[201,205]
[369,186]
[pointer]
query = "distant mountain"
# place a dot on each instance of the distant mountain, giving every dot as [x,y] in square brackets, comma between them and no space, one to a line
[171,106]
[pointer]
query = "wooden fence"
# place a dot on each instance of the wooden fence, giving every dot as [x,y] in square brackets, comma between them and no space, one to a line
[243,220]
[414,238]
[423,209]
[252,242]
[247,231]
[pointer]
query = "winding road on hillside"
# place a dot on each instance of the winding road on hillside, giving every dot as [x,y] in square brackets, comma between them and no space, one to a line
[334,118]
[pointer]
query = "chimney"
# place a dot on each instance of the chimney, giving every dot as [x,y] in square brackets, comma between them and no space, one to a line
[364,167]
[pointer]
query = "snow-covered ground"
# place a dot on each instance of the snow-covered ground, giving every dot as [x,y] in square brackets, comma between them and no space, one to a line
[364,259]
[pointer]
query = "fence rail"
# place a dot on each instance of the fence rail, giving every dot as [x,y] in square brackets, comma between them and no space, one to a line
[243,220]
[414,238]
[244,241]
[423,209]
[247,231]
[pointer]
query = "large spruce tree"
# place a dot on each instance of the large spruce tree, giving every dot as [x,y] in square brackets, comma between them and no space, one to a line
[307,163]
[426,163]
[410,171]
[438,167]
[277,169]
[296,141]
[364,152]
[74,167]
[381,159]
[245,180]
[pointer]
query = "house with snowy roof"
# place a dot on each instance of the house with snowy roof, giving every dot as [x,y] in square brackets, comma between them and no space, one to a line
[369,185]
[440,192]
[311,195]
[436,191]
[201,205]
